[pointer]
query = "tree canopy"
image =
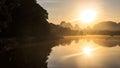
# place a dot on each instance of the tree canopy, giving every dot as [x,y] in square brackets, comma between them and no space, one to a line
[23,18]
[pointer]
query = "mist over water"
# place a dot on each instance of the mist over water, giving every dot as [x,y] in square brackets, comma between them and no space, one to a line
[48,34]
[105,53]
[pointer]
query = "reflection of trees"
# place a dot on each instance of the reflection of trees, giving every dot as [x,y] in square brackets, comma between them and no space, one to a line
[107,42]
[34,54]
[68,41]
[76,41]
[29,55]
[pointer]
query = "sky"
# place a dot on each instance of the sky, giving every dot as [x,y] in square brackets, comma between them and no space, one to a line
[66,10]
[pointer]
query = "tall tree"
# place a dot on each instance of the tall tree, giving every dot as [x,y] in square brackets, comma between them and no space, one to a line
[5,17]
[28,18]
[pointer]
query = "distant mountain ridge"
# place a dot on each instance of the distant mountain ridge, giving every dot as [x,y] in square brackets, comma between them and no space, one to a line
[69,25]
[107,25]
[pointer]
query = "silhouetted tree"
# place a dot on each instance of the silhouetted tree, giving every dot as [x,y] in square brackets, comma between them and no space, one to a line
[27,18]
[5,17]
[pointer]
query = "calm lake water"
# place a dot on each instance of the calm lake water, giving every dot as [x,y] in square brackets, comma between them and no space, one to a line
[86,52]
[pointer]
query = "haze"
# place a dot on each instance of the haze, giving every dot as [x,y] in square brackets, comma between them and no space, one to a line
[66,10]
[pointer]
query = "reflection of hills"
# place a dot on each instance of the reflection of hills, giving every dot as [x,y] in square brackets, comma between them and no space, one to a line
[108,42]
[107,25]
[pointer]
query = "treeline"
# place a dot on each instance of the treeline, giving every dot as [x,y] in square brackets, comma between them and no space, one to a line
[102,28]
[26,18]
[23,18]
[100,32]
[64,31]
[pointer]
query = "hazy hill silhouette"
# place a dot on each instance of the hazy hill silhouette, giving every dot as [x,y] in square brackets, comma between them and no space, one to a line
[66,25]
[76,27]
[107,25]
[70,26]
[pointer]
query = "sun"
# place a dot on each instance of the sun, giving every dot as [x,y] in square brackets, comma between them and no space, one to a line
[88,16]
[87,51]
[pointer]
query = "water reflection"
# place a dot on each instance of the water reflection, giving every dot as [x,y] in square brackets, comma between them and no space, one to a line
[26,55]
[86,52]
[71,52]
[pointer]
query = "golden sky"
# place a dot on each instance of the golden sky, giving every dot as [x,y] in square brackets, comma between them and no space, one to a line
[66,10]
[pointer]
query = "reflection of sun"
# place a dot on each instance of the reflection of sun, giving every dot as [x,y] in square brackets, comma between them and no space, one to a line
[87,51]
[88,16]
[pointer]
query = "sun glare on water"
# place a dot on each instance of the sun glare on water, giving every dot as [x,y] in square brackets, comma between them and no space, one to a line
[88,16]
